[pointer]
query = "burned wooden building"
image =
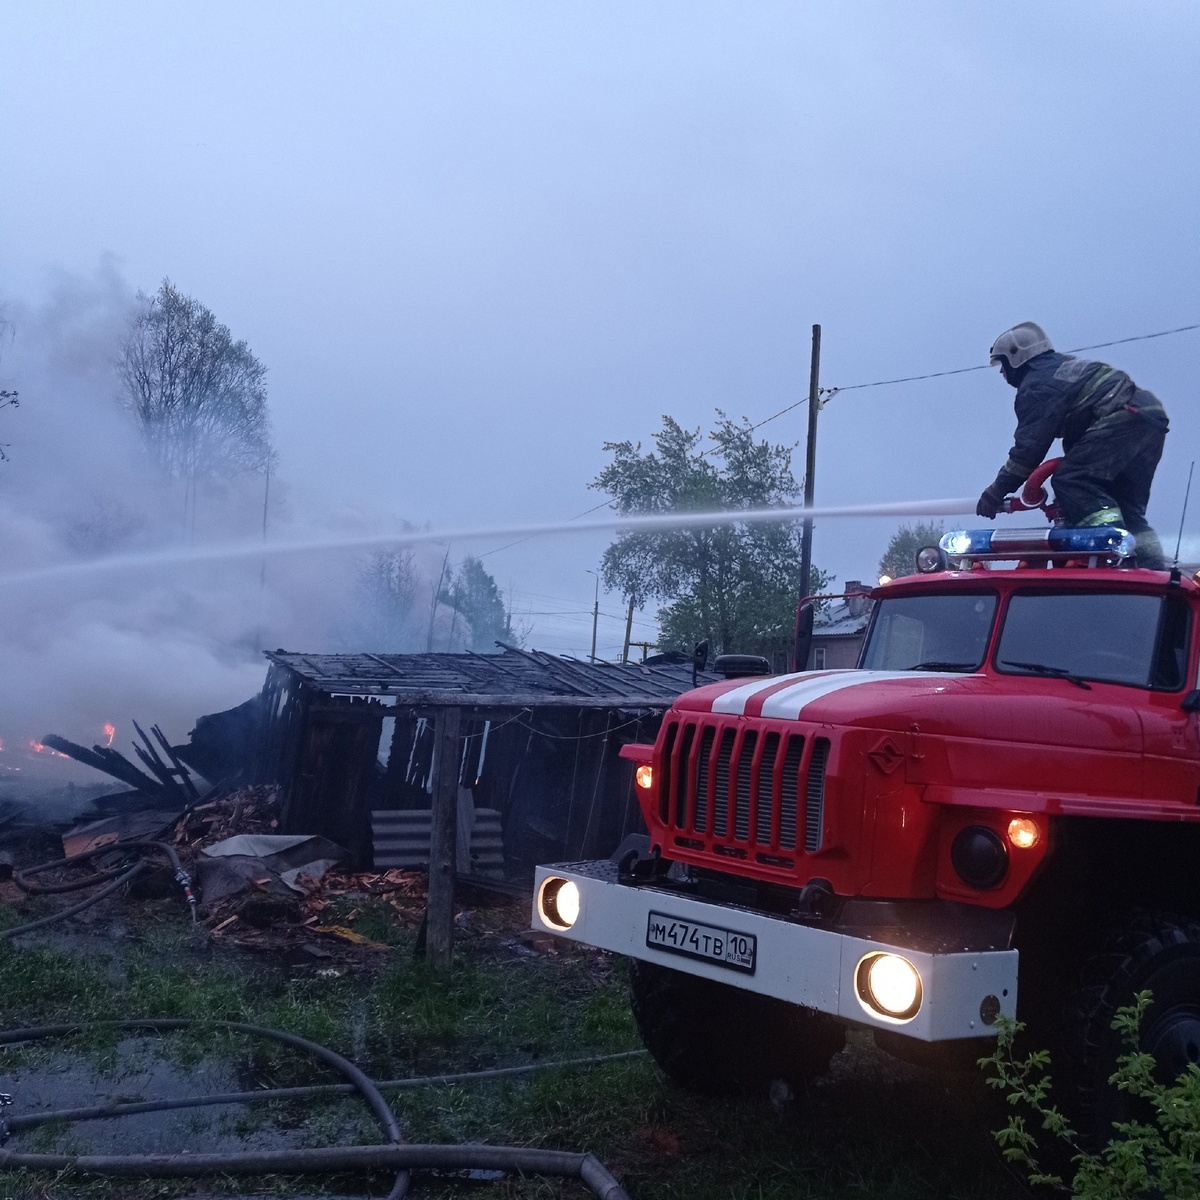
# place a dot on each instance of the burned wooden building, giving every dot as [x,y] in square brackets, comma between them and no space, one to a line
[528,747]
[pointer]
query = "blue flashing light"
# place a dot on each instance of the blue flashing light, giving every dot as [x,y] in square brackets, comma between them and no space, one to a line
[1107,541]
[963,542]
[1098,539]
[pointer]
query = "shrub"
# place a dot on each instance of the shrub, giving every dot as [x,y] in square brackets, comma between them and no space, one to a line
[1151,1156]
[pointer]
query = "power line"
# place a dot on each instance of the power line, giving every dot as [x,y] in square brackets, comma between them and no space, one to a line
[827,394]
[852,387]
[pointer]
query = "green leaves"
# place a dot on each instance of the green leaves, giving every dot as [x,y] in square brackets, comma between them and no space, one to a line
[474,595]
[736,585]
[1154,1157]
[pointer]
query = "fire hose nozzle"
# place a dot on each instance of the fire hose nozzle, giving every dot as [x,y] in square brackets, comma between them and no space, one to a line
[185,882]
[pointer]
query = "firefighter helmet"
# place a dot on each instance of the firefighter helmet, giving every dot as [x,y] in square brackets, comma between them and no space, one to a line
[1019,344]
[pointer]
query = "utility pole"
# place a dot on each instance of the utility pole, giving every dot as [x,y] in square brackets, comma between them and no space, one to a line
[810,461]
[595,616]
[628,631]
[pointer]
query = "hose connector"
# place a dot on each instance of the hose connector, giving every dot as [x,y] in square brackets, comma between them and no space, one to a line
[185,882]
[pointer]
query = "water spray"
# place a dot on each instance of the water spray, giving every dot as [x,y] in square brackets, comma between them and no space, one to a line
[641,523]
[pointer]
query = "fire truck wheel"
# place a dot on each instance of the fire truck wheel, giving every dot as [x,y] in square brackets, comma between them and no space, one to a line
[714,1038]
[1156,952]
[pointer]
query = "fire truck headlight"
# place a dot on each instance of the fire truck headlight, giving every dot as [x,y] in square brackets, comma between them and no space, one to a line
[558,902]
[890,985]
[979,857]
[644,776]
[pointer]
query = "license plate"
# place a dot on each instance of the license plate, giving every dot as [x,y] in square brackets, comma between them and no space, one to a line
[708,943]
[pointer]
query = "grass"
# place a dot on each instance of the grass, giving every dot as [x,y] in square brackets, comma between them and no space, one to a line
[872,1128]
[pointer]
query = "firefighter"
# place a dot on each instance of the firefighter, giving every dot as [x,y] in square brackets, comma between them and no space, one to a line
[1112,434]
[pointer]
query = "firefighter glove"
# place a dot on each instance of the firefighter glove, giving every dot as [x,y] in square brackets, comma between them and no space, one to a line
[989,503]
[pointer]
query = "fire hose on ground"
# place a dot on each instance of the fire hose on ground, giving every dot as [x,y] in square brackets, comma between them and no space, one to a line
[394,1155]
[112,880]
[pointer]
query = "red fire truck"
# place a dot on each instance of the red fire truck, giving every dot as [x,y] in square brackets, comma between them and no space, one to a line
[997,812]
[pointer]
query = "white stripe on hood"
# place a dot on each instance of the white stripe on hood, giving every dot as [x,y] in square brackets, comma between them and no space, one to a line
[788,702]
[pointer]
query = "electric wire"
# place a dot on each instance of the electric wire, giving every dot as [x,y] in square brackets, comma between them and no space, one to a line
[853,387]
[825,394]
[578,737]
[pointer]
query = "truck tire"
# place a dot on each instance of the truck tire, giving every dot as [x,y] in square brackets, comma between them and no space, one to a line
[713,1038]
[1158,952]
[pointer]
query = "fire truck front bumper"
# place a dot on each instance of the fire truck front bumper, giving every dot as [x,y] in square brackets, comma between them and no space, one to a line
[931,988]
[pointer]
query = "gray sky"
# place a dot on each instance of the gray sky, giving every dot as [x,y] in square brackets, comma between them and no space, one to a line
[473,241]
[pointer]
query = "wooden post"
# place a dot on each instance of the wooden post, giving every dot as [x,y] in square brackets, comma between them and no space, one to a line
[810,462]
[628,631]
[442,848]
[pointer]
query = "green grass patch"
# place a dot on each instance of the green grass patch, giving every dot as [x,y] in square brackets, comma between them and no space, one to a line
[871,1129]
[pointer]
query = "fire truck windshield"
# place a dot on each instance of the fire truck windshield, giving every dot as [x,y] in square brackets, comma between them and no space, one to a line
[1111,637]
[930,633]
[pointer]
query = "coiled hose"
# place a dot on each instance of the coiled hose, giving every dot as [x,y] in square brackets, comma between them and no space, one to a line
[358,1078]
[112,879]
[396,1155]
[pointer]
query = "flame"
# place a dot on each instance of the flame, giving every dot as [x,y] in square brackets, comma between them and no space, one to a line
[110,732]
[39,748]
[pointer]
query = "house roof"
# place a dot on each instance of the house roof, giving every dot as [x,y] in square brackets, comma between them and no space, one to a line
[512,679]
[837,621]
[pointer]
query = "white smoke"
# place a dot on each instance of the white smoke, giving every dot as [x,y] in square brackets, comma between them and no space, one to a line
[163,644]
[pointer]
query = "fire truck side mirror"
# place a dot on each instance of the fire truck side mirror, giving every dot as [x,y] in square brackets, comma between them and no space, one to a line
[1191,702]
[804,635]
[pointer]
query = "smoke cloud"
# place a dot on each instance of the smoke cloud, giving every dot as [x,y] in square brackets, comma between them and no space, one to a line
[167,642]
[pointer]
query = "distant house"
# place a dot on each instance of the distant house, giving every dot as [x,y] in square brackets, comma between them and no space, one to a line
[839,629]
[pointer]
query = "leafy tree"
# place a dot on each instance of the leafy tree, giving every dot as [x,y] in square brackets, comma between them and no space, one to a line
[474,596]
[736,585]
[199,397]
[900,557]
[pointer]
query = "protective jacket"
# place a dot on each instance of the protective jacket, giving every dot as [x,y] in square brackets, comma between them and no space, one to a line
[1066,397]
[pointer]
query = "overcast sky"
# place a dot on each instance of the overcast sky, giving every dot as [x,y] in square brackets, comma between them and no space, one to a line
[474,241]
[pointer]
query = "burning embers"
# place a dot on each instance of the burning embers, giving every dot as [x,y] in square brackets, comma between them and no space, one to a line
[18,758]
[40,748]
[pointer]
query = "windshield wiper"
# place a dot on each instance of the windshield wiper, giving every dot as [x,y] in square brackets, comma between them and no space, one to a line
[934,665]
[1042,669]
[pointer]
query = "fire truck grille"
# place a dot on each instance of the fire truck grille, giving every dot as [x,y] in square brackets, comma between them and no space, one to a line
[814,796]
[743,791]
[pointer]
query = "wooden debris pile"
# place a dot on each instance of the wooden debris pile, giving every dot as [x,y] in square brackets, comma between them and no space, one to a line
[315,925]
[249,810]
[318,925]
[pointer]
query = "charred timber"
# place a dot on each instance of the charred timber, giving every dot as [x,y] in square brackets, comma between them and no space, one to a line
[106,759]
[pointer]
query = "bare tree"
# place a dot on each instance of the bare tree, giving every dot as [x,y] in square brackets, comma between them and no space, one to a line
[385,610]
[199,397]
